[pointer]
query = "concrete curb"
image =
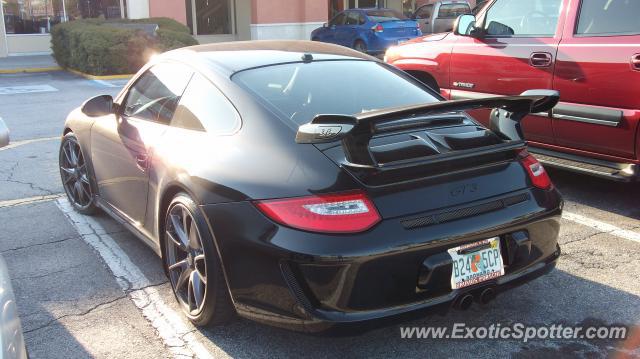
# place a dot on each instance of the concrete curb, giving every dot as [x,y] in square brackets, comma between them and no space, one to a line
[106,77]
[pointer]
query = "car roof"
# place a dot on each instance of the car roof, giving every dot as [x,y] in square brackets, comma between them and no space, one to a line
[231,57]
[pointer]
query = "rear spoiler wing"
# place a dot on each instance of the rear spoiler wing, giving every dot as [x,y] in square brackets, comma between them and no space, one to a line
[356,131]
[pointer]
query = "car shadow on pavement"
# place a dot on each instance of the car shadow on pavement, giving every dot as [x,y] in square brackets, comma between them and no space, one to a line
[610,196]
[559,298]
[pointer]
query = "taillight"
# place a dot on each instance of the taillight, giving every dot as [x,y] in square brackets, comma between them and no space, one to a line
[378,28]
[349,212]
[536,171]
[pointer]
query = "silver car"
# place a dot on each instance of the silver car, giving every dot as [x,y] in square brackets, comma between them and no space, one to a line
[10,328]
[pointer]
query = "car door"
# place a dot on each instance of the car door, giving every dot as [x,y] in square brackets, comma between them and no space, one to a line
[423,17]
[329,35]
[122,145]
[598,76]
[517,53]
[346,33]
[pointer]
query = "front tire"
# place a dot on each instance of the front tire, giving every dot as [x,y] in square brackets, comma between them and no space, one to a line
[77,179]
[193,266]
[359,45]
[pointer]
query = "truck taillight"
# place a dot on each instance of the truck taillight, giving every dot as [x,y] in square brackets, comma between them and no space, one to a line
[536,171]
[349,212]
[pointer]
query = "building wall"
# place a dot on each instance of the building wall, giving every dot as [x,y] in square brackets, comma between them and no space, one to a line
[287,19]
[3,36]
[174,9]
[29,44]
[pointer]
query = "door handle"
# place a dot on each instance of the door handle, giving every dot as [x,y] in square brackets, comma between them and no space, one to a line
[540,59]
[142,161]
[635,62]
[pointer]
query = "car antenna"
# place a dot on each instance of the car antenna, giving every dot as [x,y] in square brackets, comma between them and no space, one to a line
[306,58]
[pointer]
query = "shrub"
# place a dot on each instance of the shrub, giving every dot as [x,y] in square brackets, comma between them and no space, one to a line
[91,47]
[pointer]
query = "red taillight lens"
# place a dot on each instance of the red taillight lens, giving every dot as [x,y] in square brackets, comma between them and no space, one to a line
[536,171]
[350,212]
[378,28]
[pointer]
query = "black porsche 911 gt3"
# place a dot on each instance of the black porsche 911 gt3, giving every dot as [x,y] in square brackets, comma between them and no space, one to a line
[305,184]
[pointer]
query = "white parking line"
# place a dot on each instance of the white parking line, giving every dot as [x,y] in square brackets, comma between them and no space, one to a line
[176,334]
[30,200]
[104,83]
[18,90]
[26,142]
[602,226]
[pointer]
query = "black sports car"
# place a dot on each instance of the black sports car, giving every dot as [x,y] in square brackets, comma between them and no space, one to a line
[305,184]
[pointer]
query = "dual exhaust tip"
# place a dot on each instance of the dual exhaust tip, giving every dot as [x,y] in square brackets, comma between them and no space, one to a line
[464,301]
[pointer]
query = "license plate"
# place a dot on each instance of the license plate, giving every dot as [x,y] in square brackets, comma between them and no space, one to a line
[475,263]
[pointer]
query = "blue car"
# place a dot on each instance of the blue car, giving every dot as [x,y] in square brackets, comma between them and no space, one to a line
[371,31]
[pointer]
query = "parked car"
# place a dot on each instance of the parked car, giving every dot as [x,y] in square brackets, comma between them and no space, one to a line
[587,50]
[4,134]
[305,185]
[370,31]
[479,6]
[439,16]
[11,337]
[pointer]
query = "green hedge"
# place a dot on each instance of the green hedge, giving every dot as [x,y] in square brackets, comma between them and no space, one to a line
[91,47]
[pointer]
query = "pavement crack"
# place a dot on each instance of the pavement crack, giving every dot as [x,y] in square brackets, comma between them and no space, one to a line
[31,185]
[56,320]
[155,285]
[39,244]
[48,273]
[585,238]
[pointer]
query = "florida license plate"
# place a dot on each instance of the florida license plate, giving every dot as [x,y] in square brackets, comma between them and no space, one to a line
[476,262]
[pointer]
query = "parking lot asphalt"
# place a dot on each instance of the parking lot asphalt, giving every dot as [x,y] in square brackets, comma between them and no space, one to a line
[88,288]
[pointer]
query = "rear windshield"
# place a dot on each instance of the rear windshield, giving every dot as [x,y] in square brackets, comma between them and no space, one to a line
[300,91]
[385,15]
[450,11]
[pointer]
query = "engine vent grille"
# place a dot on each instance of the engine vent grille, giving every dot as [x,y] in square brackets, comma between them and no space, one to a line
[466,212]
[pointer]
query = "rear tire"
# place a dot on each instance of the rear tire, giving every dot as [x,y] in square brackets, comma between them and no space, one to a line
[193,266]
[359,45]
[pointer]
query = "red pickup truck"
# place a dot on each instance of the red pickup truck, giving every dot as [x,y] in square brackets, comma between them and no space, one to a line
[588,50]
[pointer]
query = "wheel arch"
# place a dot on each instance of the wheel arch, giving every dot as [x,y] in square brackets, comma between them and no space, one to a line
[167,195]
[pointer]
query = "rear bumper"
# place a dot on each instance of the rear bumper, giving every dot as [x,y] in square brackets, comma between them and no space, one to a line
[378,45]
[313,282]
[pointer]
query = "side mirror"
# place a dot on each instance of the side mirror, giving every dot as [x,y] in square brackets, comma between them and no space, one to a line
[4,134]
[98,106]
[326,128]
[325,25]
[465,25]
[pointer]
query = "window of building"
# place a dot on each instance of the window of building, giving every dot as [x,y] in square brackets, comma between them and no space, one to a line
[210,17]
[38,16]
[609,17]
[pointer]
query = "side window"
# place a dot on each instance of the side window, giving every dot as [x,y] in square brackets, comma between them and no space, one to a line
[353,18]
[609,17]
[523,18]
[424,12]
[361,19]
[204,108]
[338,20]
[156,93]
[452,11]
